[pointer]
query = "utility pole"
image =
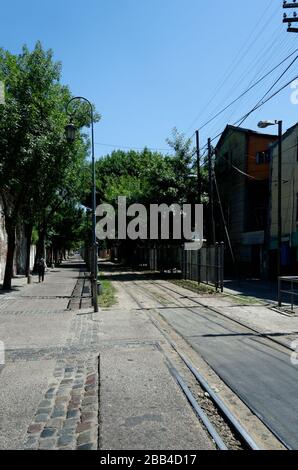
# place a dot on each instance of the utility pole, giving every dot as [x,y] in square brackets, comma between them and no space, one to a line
[293,19]
[199,188]
[280,126]
[211,197]
[199,168]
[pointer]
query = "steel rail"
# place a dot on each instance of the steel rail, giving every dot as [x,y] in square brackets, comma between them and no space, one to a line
[198,410]
[215,310]
[221,405]
[218,402]
[237,427]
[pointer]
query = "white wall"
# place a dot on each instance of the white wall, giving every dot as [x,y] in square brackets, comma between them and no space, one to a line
[3,245]
[289,185]
[20,250]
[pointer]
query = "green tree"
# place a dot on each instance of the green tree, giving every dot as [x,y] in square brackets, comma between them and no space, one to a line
[149,177]
[37,167]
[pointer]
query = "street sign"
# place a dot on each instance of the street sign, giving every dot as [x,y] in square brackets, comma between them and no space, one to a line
[2,93]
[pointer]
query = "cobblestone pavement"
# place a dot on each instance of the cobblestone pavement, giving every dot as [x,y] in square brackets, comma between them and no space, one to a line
[67,417]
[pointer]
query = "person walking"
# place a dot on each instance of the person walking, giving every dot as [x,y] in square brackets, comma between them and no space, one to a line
[41,269]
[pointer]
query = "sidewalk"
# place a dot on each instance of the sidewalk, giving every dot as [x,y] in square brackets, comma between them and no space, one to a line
[42,366]
[263,290]
[264,318]
[55,360]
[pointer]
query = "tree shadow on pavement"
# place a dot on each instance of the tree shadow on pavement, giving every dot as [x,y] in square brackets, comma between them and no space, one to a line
[122,273]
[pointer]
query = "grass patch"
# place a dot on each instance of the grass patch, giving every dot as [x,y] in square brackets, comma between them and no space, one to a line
[204,289]
[108,297]
[238,298]
[194,286]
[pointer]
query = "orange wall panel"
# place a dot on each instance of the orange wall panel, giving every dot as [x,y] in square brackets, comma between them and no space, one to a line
[258,144]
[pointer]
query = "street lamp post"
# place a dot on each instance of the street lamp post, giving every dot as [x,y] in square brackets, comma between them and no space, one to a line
[263,125]
[70,131]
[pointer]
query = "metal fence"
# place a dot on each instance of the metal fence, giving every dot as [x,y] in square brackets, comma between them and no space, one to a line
[205,266]
[289,293]
[166,259]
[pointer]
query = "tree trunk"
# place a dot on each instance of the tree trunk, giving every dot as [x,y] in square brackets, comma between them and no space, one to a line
[11,244]
[40,247]
[28,231]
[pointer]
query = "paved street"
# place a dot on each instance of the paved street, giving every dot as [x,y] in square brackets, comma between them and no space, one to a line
[258,370]
[78,380]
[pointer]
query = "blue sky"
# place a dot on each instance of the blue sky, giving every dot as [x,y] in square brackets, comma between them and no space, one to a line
[150,65]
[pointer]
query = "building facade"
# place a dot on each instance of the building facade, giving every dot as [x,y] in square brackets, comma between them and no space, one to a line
[242,170]
[289,201]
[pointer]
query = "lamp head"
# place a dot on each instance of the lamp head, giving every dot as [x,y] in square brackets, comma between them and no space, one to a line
[70,132]
[264,124]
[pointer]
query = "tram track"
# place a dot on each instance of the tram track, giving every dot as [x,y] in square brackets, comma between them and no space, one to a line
[239,438]
[219,312]
[280,353]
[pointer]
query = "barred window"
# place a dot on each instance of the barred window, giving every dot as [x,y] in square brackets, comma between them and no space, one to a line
[263,157]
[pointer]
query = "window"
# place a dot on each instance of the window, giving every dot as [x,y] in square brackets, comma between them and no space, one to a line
[226,156]
[263,157]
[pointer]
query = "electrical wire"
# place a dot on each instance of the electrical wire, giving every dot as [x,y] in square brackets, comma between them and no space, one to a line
[223,218]
[120,147]
[260,80]
[242,55]
[259,104]
[248,90]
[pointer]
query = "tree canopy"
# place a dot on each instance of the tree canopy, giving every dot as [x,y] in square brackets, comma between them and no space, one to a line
[149,177]
[39,171]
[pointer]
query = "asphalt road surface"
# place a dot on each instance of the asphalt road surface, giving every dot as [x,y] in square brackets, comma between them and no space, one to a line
[257,370]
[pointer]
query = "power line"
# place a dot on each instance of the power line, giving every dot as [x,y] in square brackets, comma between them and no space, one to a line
[260,104]
[250,156]
[247,90]
[223,218]
[279,78]
[120,147]
[257,106]
[242,54]
[249,69]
